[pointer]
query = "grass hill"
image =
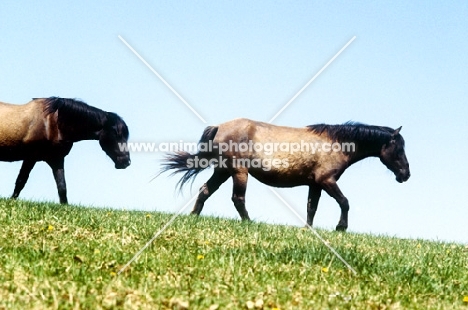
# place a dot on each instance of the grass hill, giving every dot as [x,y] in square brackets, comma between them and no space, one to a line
[69,257]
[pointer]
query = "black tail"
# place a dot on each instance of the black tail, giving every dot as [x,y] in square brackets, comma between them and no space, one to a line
[185,162]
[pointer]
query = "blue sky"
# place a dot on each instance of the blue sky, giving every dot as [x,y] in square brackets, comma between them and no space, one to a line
[407,67]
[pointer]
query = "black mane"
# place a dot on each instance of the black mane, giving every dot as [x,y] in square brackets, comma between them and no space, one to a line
[72,111]
[80,119]
[353,131]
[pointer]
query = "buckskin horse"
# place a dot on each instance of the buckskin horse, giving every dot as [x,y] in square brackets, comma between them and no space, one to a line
[45,129]
[319,166]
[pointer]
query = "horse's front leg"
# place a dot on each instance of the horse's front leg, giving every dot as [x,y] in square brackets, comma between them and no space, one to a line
[59,174]
[312,203]
[23,176]
[334,191]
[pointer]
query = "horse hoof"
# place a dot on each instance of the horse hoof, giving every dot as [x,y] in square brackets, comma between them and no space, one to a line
[341,228]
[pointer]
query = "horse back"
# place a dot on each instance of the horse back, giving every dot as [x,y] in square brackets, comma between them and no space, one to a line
[275,151]
[244,130]
[26,124]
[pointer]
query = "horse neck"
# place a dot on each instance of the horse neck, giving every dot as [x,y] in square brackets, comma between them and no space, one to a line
[78,133]
[365,149]
[74,120]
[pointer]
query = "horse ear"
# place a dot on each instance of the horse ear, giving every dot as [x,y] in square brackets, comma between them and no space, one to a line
[396,132]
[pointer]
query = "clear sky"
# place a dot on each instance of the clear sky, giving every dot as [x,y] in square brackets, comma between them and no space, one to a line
[407,67]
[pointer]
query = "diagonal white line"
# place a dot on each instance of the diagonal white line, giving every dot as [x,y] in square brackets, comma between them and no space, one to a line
[311,80]
[157,234]
[314,231]
[162,79]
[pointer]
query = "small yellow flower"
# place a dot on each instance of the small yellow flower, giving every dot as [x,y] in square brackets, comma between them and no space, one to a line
[465,299]
[325,269]
[50,228]
[200,256]
[148,215]
[96,251]
[419,245]
[113,274]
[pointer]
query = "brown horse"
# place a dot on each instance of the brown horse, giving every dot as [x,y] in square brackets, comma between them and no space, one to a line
[45,129]
[279,156]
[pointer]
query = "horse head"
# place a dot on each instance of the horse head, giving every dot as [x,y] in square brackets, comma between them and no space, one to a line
[393,156]
[113,139]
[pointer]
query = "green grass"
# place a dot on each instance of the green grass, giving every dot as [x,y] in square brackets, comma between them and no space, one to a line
[68,257]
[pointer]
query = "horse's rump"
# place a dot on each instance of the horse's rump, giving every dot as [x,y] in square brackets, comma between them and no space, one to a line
[25,124]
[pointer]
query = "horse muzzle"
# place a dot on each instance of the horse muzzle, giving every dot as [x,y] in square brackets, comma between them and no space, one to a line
[122,164]
[403,175]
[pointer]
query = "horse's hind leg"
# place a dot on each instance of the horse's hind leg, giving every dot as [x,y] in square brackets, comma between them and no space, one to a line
[219,177]
[23,176]
[334,191]
[59,176]
[312,203]
[238,193]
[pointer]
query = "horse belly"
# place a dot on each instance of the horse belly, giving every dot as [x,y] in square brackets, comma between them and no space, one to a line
[38,151]
[19,151]
[11,154]
[282,176]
